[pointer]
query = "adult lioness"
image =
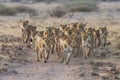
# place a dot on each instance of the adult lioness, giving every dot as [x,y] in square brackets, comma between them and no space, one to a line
[86,45]
[41,47]
[28,32]
[65,47]
[97,41]
[103,35]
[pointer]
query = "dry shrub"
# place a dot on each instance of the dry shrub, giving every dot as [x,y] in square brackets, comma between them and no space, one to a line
[25,9]
[73,6]
[3,69]
[4,10]
[46,1]
[57,11]
[83,8]
[118,45]
[82,5]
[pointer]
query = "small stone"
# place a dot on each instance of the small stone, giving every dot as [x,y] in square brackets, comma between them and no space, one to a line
[14,71]
[94,74]
[116,73]
[105,78]
[91,63]
[82,74]
[117,78]
[113,69]
[103,55]
[3,70]
[19,48]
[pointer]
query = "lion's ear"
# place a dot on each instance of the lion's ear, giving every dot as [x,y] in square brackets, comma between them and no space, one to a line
[44,38]
[61,25]
[47,27]
[71,23]
[26,21]
[36,32]
[93,29]
[84,24]
[105,27]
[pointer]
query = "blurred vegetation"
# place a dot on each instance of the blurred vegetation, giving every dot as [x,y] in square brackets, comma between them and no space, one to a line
[5,10]
[48,1]
[25,9]
[57,11]
[82,5]
[73,6]
[118,45]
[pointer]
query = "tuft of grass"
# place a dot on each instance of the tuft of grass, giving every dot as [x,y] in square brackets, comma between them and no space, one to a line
[5,10]
[118,45]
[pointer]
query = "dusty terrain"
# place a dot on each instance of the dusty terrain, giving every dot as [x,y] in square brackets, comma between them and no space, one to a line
[17,62]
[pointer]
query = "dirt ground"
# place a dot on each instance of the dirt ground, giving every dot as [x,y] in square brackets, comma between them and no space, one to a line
[17,61]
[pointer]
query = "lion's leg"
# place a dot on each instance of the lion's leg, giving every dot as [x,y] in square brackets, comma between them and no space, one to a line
[99,42]
[78,49]
[105,42]
[52,48]
[26,38]
[84,53]
[37,53]
[90,50]
[94,43]
[43,55]
[87,52]
[102,42]
[23,37]
[58,51]
[47,57]
[68,58]
[61,56]
[74,51]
